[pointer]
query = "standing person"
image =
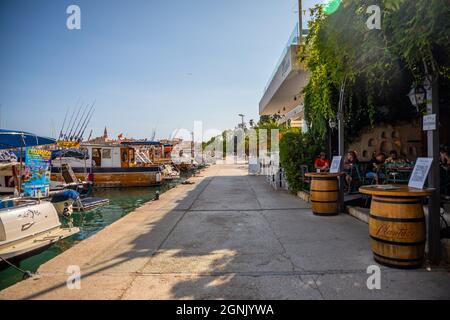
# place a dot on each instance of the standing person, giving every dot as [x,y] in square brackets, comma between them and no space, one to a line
[374,168]
[322,164]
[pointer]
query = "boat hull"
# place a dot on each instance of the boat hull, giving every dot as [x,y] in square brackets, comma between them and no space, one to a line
[118,177]
[28,225]
[26,247]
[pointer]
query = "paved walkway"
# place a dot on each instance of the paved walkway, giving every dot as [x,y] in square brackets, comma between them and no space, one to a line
[229,236]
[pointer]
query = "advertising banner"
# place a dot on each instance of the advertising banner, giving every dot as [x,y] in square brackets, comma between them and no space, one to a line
[36,182]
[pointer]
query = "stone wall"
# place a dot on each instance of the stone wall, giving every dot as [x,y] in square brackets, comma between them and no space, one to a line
[406,138]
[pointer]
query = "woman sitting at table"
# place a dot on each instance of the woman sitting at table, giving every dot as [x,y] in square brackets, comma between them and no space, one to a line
[322,164]
[394,158]
[373,170]
[351,161]
[444,157]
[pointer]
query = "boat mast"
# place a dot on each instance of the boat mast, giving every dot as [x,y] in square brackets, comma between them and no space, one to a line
[73,124]
[80,138]
[79,122]
[79,135]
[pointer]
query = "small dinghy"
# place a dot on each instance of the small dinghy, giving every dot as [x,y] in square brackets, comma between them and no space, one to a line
[69,200]
[90,203]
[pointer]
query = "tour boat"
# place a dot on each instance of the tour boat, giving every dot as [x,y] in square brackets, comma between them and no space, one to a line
[149,153]
[109,165]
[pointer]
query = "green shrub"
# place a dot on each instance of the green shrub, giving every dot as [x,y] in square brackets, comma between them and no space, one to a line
[297,149]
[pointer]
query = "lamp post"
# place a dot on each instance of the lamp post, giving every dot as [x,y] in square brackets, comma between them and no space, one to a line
[341,136]
[431,85]
[421,95]
[417,96]
[242,120]
[300,21]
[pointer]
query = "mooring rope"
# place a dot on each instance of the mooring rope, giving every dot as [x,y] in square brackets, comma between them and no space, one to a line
[26,273]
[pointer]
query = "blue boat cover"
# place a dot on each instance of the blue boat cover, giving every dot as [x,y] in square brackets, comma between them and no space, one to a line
[69,153]
[16,139]
[141,143]
[64,195]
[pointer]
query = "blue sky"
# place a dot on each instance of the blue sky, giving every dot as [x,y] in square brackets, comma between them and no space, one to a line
[148,64]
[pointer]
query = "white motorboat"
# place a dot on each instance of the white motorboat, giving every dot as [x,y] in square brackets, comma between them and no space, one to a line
[27,225]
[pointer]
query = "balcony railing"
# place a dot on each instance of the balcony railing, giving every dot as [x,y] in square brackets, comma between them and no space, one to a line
[293,40]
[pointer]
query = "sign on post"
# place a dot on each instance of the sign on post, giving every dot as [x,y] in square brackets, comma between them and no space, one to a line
[429,122]
[37,173]
[420,173]
[335,164]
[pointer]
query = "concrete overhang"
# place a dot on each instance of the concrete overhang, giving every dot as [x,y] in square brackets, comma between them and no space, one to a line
[296,114]
[283,92]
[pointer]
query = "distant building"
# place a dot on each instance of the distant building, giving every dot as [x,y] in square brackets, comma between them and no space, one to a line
[102,139]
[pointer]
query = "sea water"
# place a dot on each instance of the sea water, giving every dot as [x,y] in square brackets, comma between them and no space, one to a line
[122,202]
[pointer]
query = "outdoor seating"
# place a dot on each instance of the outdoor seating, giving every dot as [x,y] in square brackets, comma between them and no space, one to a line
[397,173]
[357,179]
[304,169]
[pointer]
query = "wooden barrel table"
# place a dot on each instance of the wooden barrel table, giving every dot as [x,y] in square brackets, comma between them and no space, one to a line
[397,225]
[324,193]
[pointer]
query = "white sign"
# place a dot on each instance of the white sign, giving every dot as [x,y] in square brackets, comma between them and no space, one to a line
[335,164]
[429,122]
[420,173]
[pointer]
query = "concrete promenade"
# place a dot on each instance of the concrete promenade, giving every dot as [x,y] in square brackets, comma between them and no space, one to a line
[228,236]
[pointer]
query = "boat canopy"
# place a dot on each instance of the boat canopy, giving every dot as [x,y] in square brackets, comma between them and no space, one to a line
[17,139]
[141,143]
[69,153]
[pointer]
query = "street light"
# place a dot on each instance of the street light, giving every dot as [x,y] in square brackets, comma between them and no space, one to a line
[242,119]
[417,96]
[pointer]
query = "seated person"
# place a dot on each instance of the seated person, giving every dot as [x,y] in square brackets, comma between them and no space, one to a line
[394,158]
[322,164]
[350,161]
[374,168]
[444,157]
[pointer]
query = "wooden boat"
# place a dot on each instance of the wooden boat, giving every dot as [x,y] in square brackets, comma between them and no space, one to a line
[109,165]
[155,153]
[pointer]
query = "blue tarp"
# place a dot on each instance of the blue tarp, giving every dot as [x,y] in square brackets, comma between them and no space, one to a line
[69,153]
[15,139]
[141,143]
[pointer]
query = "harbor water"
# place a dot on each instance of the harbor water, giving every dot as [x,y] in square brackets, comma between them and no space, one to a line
[122,202]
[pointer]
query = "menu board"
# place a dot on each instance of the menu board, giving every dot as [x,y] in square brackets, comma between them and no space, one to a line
[420,173]
[36,181]
[335,164]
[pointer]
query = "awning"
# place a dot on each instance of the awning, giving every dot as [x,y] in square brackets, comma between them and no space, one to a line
[16,139]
